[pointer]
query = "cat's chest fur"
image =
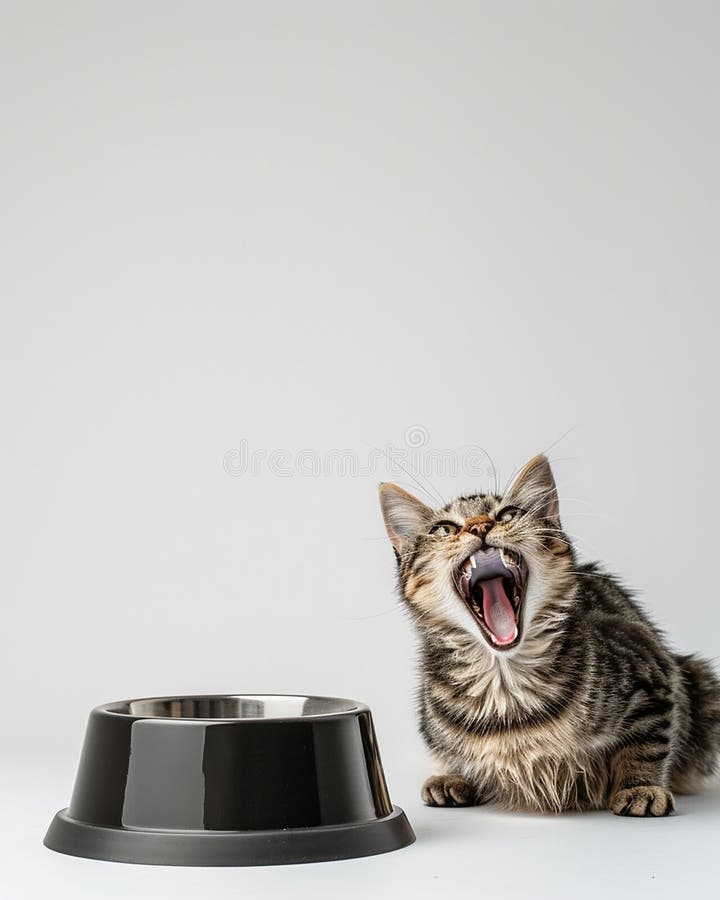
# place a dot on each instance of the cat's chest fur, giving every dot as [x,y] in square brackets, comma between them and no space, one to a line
[519,741]
[538,766]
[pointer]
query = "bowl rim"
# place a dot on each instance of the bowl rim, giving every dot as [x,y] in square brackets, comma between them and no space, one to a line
[111,709]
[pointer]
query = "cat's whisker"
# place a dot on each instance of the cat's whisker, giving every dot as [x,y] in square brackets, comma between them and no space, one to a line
[378,615]
[556,442]
[494,467]
[393,461]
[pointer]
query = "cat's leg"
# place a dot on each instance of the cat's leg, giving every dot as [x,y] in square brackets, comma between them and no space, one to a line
[448,789]
[638,781]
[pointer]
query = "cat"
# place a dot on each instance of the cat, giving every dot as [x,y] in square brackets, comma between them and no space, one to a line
[544,685]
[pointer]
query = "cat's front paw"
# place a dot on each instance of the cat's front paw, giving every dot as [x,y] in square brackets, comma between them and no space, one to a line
[643,800]
[447,790]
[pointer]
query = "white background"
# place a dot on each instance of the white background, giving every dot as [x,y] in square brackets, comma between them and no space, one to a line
[331,225]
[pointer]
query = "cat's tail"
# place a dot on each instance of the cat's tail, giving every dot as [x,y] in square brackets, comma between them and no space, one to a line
[698,753]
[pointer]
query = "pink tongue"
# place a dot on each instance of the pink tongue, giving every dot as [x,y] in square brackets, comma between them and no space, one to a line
[498,612]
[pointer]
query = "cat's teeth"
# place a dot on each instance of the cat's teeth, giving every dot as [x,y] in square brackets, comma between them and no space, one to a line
[473,564]
[508,556]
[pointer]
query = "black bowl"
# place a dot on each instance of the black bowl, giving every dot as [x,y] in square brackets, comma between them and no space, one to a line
[229,781]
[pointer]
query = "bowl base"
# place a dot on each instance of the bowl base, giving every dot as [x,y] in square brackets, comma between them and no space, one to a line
[229,848]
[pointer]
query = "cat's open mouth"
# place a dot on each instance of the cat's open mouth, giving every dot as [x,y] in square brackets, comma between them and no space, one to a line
[491,584]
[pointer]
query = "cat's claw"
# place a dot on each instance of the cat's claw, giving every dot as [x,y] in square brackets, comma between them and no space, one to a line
[643,800]
[447,790]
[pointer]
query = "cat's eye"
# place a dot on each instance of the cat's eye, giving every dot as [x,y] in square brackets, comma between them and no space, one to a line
[443,529]
[507,514]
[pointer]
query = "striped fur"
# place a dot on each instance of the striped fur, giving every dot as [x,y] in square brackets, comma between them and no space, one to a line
[590,709]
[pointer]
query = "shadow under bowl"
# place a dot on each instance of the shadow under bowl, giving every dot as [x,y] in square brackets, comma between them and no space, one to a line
[229,780]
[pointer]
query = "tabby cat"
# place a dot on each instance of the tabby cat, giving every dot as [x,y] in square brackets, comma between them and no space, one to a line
[544,686]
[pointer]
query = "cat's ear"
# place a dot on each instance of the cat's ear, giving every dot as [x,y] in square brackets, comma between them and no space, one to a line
[404,516]
[534,489]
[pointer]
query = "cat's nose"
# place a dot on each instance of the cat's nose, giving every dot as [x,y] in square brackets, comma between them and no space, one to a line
[479,526]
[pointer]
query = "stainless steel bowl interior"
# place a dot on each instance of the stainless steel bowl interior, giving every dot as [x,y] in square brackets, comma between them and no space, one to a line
[237,706]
